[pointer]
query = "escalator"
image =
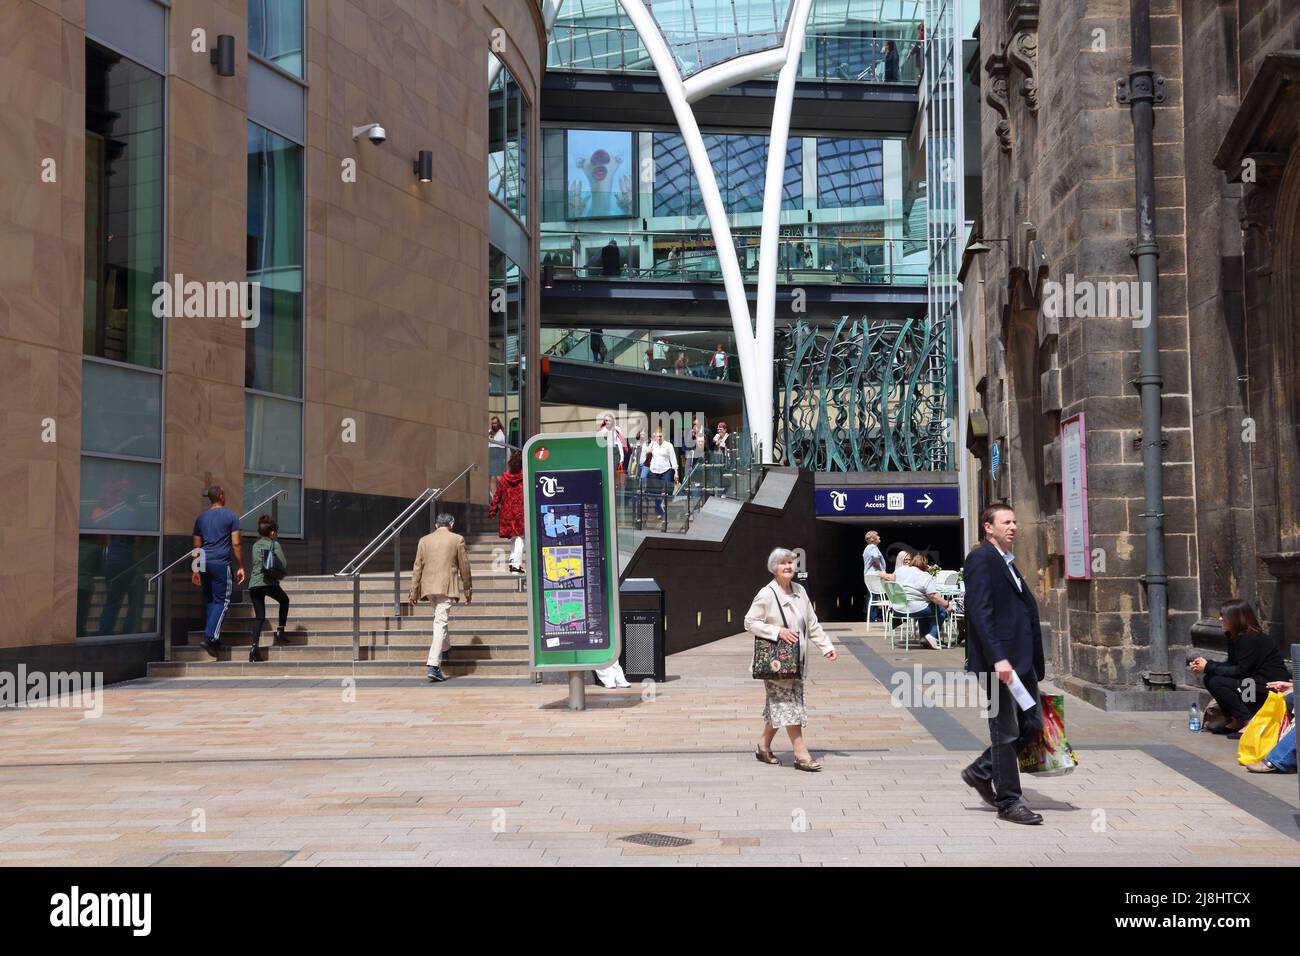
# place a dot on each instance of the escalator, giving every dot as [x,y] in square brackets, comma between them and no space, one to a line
[643,370]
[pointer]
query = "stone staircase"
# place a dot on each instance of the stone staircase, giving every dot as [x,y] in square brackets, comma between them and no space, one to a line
[489,638]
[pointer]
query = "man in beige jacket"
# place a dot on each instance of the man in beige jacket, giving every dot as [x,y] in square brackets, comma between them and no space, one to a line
[441,574]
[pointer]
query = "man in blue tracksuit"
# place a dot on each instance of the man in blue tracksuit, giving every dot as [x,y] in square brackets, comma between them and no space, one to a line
[216,536]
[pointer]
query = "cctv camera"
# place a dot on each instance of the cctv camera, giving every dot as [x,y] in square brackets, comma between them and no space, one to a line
[374,132]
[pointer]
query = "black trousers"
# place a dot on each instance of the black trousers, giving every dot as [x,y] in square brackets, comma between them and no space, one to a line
[1228,692]
[259,596]
[1011,730]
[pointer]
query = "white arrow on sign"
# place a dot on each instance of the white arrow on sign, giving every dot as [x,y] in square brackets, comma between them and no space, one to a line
[926,501]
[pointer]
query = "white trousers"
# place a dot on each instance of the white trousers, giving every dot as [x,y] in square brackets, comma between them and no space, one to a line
[517,553]
[611,676]
[441,641]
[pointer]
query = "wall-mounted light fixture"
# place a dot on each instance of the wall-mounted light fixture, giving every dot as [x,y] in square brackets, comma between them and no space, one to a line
[548,275]
[423,166]
[222,55]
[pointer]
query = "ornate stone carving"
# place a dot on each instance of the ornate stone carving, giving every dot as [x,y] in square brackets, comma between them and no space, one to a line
[996,96]
[1022,50]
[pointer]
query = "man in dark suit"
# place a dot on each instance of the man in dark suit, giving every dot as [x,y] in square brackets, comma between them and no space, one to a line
[1002,637]
[610,263]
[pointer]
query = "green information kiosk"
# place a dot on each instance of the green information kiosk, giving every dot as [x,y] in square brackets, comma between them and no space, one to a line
[572,538]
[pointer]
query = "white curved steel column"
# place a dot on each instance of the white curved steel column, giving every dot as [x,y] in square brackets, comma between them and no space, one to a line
[755,345]
[769,235]
[732,281]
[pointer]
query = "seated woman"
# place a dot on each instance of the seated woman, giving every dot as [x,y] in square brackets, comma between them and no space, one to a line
[1239,684]
[923,600]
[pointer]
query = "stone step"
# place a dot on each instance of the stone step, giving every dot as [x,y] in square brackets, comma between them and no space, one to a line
[375,617]
[410,652]
[501,578]
[327,604]
[298,634]
[337,670]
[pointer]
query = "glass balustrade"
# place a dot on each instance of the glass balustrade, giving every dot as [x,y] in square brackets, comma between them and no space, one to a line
[870,53]
[842,254]
[642,350]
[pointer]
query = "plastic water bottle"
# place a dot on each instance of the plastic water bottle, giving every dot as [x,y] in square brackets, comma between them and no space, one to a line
[1194,720]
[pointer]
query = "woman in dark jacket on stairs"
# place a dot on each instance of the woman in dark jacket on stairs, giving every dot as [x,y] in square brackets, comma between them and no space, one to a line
[1239,684]
[508,507]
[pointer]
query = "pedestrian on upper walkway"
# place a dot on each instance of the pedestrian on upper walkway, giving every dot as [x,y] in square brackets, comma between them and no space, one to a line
[508,508]
[782,611]
[1003,638]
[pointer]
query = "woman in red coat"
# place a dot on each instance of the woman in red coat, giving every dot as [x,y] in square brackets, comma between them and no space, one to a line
[508,505]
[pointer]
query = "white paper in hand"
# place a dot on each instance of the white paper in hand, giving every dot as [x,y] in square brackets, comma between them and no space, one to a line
[1022,696]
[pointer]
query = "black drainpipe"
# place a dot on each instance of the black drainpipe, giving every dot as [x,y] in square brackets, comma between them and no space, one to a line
[1141,91]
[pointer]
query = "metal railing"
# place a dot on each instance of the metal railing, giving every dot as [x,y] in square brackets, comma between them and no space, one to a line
[641,351]
[393,532]
[685,256]
[827,55]
[273,500]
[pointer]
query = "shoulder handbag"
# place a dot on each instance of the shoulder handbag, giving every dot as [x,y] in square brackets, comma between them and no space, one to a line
[272,567]
[776,660]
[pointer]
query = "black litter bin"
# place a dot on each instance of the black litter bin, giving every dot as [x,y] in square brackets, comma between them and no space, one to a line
[641,612]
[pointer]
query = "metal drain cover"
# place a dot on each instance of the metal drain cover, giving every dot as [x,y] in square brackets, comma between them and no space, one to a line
[656,839]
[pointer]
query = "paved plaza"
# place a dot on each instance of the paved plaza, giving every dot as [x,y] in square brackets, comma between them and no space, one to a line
[271,773]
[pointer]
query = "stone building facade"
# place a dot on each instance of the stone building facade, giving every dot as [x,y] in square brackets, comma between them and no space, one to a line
[392,275]
[1056,337]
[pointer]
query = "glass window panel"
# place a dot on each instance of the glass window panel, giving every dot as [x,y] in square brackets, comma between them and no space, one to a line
[273,348]
[124,208]
[119,495]
[272,435]
[505,366]
[121,411]
[850,172]
[258,487]
[507,141]
[113,597]
[275,32]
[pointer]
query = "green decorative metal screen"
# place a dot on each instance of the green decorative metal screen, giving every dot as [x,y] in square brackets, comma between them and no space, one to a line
[866,396]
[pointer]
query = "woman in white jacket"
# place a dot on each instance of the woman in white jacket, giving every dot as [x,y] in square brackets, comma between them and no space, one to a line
[782,611]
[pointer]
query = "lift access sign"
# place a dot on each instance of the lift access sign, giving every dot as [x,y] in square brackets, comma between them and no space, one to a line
[882,502]
[572,552]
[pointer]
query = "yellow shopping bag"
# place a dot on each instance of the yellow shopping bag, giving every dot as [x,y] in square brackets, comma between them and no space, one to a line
[1260,735]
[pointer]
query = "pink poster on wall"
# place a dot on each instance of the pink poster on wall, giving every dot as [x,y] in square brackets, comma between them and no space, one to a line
[1074,490]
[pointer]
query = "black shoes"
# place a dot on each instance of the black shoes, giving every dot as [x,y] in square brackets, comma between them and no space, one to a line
[1021,814]
[253,657]
[983,787]
[212,647]
[279,637]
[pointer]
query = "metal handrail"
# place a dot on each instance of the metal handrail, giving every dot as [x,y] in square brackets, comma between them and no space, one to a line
[395,526]
[393,532]
[190,552]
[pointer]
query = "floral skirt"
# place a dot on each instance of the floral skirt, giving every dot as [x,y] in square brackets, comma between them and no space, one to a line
[784,706]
